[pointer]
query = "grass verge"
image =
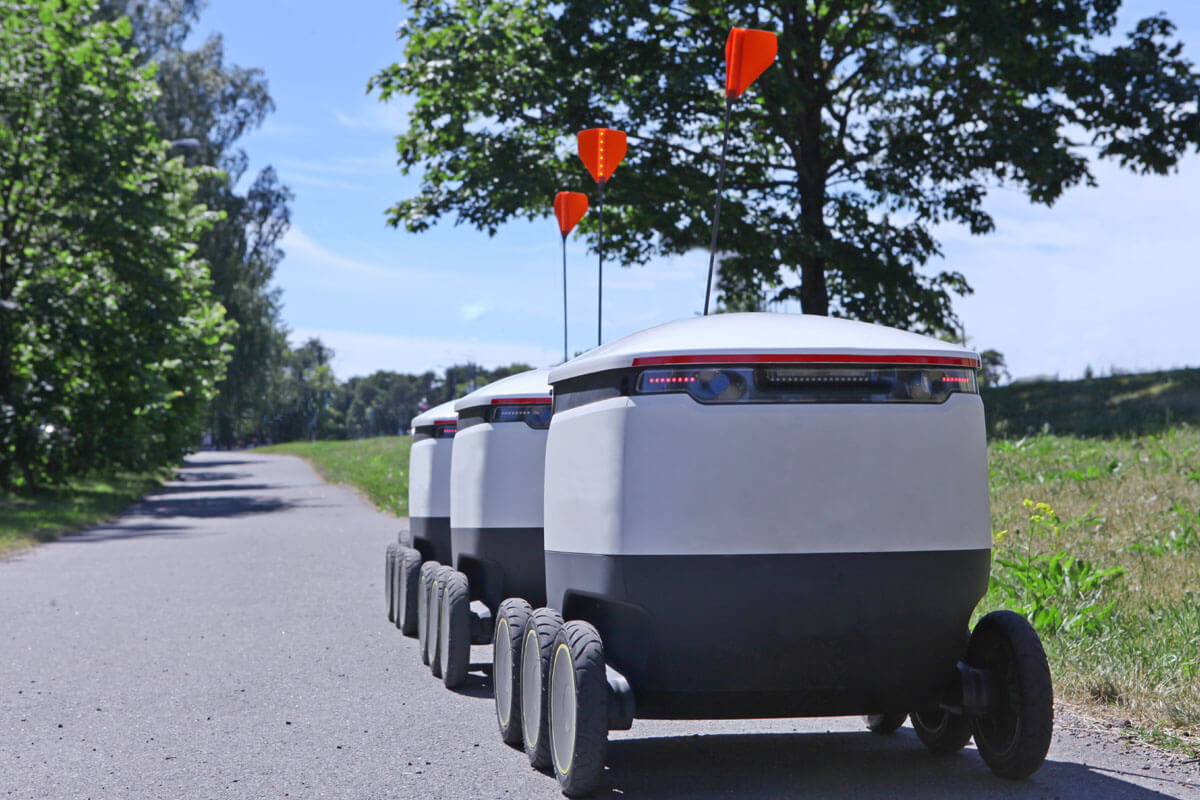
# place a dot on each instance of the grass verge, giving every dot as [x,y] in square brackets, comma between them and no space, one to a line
[43,515]
[377,467]
[1099,542]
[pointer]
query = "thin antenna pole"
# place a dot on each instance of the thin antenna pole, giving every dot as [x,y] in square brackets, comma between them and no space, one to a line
[712,252]
[564,242]
[600,284]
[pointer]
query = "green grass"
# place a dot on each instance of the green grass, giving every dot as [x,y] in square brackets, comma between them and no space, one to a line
[377,467]
[43,515]
[1132,504]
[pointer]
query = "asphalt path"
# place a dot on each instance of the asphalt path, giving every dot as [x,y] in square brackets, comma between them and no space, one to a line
[227,638]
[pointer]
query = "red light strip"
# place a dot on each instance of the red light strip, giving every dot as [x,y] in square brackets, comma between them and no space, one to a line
[803,358]
[445,422]
[518,401]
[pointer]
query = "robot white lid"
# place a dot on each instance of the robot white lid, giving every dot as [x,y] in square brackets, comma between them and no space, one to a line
[528,386]
[764,337]
[444,411]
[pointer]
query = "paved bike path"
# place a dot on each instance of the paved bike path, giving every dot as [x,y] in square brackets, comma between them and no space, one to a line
[226,637]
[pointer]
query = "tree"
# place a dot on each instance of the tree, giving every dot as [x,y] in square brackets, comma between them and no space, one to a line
[215,103]
[879,122]
[110,339]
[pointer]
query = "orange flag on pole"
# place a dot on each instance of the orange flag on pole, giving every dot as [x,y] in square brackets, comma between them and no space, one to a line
[569,207]
[747,54]
[601,149]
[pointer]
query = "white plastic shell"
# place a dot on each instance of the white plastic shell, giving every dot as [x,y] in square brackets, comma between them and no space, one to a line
[756,333]
[665,475]
[497,472]
[429,468]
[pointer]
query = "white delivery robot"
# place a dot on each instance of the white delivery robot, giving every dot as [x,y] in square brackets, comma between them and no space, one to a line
[771,515]
[496,482]
[428,513]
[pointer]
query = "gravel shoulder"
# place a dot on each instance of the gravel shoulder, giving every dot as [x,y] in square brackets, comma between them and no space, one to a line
[226,637]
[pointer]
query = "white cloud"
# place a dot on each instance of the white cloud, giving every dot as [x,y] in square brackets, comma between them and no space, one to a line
[391,117]
[358,353]
[472,311]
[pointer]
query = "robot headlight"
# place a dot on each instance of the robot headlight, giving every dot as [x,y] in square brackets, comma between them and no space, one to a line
[770,383]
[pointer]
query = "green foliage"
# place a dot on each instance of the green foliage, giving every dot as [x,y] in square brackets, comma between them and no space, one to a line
[879,122]
[377,467]
[111,336]
[204,98]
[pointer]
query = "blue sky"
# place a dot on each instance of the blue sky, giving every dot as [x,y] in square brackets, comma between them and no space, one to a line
[1107,277]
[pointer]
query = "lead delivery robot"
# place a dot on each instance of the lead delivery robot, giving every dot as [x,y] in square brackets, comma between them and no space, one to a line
[769,515]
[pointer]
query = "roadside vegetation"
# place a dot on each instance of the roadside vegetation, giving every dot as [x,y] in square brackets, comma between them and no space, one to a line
[1098,543]
[377,467]
[42,515]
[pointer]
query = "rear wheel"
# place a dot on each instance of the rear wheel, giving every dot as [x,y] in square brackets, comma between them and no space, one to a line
[408,577]
[454,630]
[884,724]
[1014,735]
[578,708]
[512,619]
[424,585]
[536,650]
[942,732]
[389,575]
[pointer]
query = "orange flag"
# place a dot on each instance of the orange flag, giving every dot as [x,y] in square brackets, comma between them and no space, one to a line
[747,53]
[601,150]
[569,207]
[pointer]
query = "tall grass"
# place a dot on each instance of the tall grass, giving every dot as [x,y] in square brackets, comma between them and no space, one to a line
[1120,611]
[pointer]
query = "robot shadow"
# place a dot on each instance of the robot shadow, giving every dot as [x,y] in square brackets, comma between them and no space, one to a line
[834,765]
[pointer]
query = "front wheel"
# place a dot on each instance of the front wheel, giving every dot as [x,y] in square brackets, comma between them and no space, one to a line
[511,621]
[455,630]
[437,589]
[424,586]
[1014,735]
[408,568]
[536,652]
[389,577]
[578,718]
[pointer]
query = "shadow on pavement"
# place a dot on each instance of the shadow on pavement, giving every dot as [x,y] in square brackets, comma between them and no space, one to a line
[842,765]
[192,463]
[193,486]
[477,683]
[116,531]
[207,507]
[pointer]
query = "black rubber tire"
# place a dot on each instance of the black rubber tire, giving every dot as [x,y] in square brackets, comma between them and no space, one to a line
[1014,736]
[884,724]
[455,630]
[942,732]
[578,708]
[536,649]
[436,594]
[512,618]
[389,576]
[408,576]
[424,586]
